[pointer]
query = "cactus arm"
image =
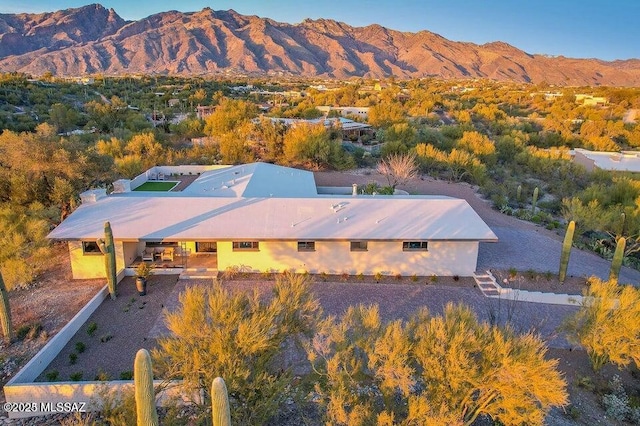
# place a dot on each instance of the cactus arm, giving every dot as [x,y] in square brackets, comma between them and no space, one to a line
[220,411]
[616,262]
[5,313]
[566,251]
[146,413]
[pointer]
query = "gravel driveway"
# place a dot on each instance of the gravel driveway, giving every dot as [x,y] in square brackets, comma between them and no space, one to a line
[400,301]
[526,249]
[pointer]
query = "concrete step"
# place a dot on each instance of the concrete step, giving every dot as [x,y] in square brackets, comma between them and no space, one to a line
[198,273]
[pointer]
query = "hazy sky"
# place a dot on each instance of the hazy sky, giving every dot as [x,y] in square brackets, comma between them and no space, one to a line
[575,28]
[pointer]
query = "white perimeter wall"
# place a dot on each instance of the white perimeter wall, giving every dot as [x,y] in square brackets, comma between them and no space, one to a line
[444,258]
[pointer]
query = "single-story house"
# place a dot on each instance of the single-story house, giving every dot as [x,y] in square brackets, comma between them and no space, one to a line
[625,161]
[262,217]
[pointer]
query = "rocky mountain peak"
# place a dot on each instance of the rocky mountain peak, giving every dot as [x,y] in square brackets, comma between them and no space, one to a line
[92,39]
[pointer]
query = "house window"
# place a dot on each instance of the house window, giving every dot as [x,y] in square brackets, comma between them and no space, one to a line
[414,246]
[246,246]
[306,246]
[207,247]
[90,247]
[358,246]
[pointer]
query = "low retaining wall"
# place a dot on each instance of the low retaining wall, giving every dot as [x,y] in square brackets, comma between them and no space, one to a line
[43,358]
[28,399]
[39,399]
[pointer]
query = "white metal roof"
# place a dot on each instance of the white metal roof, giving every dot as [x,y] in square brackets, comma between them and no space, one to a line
[319,218]
[254,180]
[271,202]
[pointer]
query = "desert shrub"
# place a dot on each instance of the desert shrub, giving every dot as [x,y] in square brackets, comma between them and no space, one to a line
[237,336]
[91,328]
[616,403]
[73,358]
[102,376]
[76,377]
[80,347]
[118,408]
[231,272]
[52,375]
[448,369]
[24,249]
[607,325]
[29,331]
[126,375]
[106,337]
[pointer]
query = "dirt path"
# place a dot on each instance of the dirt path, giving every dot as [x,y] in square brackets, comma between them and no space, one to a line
[522,245]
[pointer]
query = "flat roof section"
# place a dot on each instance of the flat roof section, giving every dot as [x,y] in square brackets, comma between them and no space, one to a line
[317,218]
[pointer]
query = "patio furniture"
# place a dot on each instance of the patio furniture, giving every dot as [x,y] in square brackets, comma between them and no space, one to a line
[148,255]
[167,254]
[158,252]
[153,176]
[160,176]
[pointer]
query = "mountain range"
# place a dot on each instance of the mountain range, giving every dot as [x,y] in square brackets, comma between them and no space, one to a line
[92,40]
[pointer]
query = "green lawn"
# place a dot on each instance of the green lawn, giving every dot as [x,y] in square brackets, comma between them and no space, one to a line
[156,186]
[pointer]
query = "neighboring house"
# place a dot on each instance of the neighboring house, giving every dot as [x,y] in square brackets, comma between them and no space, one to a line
[625,161]
[590,100]
[346,111]
[262,217]
[351,130]
[203,112]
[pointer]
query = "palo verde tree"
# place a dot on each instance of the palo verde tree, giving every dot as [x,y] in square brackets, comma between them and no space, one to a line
[229,115]
[607,325]
[236,336]
[398,169]
[447,369]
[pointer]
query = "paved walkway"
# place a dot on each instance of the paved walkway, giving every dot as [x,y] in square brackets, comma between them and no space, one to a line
[490,288]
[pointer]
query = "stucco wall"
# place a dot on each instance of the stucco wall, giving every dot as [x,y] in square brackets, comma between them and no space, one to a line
[86,266]
[442,258]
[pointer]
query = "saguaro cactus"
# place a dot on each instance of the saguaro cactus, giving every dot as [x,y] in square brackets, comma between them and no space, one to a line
[5,313]
[220,411]
[518,193]
[616,263]
[145,396]
[108,248]
[566,251]
[535,200]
